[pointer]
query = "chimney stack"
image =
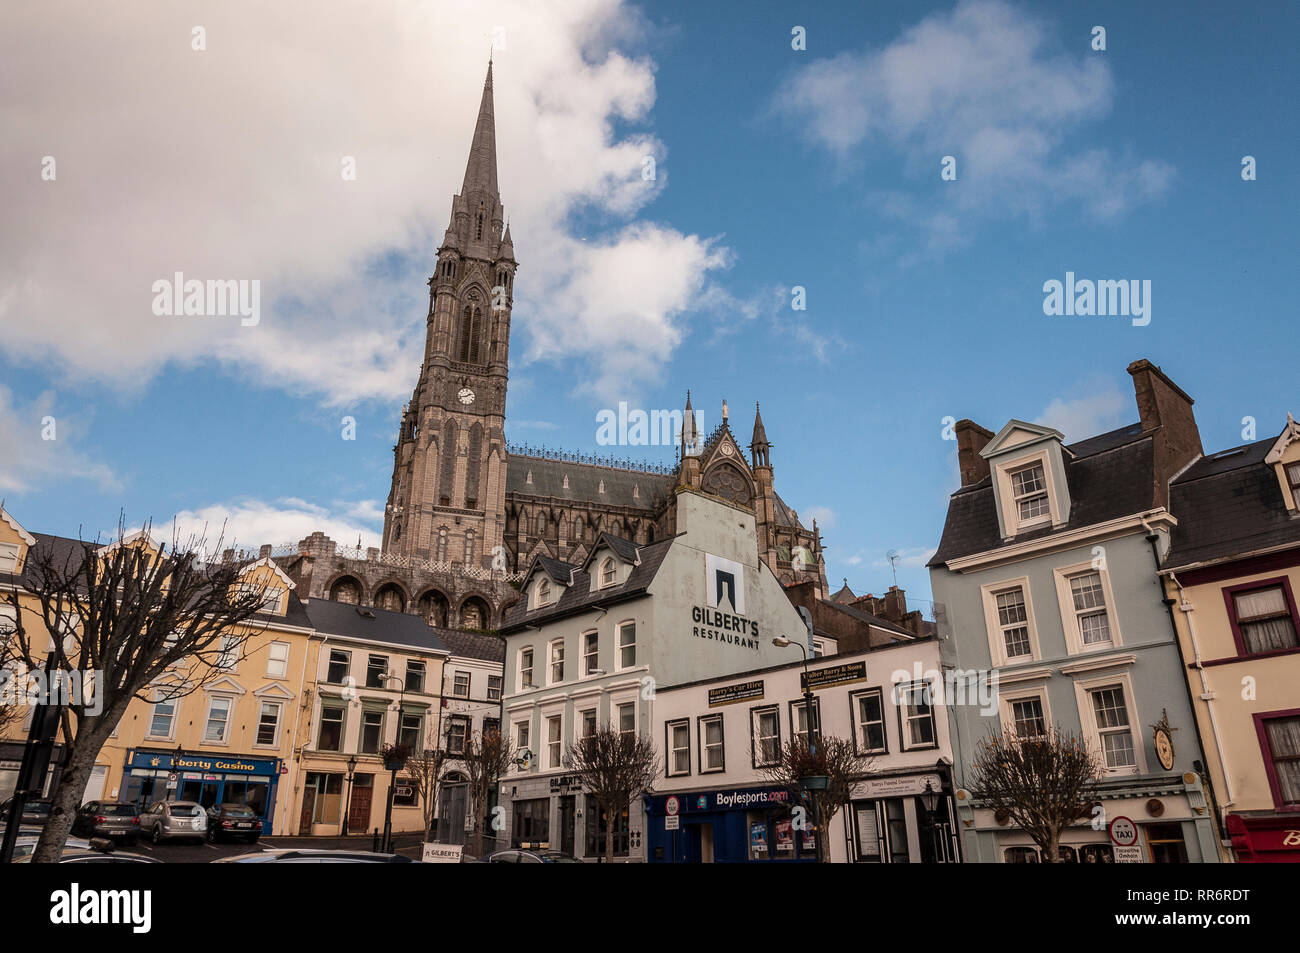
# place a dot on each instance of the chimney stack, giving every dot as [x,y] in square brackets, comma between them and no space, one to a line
[1166,413]
[971,439]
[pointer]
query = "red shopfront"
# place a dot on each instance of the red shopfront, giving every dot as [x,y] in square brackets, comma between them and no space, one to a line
[1266,839]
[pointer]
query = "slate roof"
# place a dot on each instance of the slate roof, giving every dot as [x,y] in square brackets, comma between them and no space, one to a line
[1229,505]
[66,551]
[473,644]
[864,616]
[1108,476]
[379,625]
[579,597]
[584,482]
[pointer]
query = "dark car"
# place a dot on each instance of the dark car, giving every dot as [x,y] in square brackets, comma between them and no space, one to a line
[35,811]
[106,819]
[290,856]
[233,822]
[531,857]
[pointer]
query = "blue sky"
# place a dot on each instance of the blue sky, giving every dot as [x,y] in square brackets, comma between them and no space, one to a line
[776,168]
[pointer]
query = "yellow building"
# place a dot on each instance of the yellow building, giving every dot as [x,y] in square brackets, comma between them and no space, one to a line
[377,681]
[225,737]
[1232,574]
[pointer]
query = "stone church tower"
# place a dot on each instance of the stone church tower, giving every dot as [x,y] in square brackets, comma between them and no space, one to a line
[466,514]
[447,499]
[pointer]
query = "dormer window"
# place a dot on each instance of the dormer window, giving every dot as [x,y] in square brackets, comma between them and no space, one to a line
[544,592]
[1293,480]
[608,572]
[1029,489]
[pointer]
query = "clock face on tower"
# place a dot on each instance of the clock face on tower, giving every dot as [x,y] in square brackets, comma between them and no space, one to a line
[466,396]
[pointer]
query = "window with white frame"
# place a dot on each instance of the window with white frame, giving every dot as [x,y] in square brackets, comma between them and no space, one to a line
[372,730]
[1029,494]
[557,661]
[543,591]
[277,660]
[494,688]
[627,645]
[1028,719]
[917,712]
[765,736]
[526,668]
[626,718]
[679,748]
[522,736]
[587,719]
[457,734]
[711,745]
[1293,481]
[1090,615]
[410,730]
[8,557]
[414,680]
[217,727]
[268,724]
[1115,733]
[554,740]
[228,655]
[869,720]
[590,653]
[339,665]
[163,717]
[1013,624]
[608,572]
[799,718]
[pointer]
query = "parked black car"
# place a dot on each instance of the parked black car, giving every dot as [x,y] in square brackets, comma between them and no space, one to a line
[233,822]
[35,812]
[106,819]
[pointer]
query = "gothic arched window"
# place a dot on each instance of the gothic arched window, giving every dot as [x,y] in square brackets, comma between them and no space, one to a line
[729,483]
[470,332]
[469,547]
[442,545]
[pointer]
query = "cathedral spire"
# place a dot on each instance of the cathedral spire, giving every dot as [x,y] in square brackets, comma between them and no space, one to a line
[481,170]
[758,446]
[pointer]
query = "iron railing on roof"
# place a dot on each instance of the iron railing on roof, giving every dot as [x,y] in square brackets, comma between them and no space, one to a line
[591,459]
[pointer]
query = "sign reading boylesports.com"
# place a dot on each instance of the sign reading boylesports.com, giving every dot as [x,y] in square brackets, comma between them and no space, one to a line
[731,694]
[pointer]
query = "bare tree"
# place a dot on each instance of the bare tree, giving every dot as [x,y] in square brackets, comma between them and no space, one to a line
[832,758]
[119,618]
[615,768]
[487,756]
[1042,783]
[423,770]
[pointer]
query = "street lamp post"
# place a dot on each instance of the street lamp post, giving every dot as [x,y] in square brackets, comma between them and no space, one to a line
[351,776]
[392,771]
[814,729]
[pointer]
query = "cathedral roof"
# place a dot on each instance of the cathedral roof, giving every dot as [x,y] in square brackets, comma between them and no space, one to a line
[586,482]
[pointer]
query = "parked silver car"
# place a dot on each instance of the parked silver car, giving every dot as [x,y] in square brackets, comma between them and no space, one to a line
[168,820]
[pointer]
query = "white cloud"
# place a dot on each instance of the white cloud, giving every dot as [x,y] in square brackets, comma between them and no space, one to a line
[983,84]
[38,446]
[824,515]
[247,524]
[1087,416]
[226,163]
[914,557]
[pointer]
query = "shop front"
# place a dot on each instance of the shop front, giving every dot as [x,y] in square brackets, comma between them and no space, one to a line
[1265,838]
[151,775]
[902,819]
[554,813]
[726,826]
